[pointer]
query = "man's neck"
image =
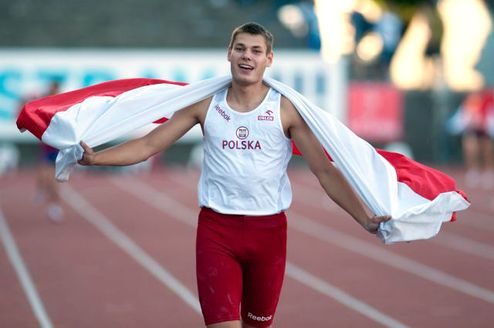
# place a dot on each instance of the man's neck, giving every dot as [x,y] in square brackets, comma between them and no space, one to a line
[245,98]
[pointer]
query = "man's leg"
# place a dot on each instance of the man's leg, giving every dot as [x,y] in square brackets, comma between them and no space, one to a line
[219,275]
[264,270]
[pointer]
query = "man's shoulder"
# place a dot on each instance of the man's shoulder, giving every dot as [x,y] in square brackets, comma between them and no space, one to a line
[196,110]
[286,105]
[201,105]
[289,114]
[199,109]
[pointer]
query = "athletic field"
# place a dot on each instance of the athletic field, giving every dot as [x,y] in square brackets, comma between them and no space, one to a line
[124,257]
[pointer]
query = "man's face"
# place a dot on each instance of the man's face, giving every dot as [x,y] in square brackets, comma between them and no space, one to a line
[248,58]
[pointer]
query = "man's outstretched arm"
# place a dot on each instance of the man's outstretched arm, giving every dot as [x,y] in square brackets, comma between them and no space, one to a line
[330,178]
[140,149]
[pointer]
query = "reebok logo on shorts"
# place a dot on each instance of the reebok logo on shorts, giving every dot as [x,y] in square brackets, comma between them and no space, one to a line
[259,318]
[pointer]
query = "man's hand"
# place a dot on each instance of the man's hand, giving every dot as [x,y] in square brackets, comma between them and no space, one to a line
[372,223]
[87,156]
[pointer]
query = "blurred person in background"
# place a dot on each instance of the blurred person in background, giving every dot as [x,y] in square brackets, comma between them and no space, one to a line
[244,188]
[475,120]
[9,158]
[47,187]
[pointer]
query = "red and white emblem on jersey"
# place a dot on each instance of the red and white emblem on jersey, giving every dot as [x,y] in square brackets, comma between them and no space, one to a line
[267,117]
[242,132]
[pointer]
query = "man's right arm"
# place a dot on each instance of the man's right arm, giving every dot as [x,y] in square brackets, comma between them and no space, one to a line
[140,149]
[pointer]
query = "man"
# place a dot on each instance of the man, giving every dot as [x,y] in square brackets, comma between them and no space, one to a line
[244,188]
[47,186]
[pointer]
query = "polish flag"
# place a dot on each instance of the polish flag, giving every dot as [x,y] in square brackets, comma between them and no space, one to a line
[36,115]
[418,198]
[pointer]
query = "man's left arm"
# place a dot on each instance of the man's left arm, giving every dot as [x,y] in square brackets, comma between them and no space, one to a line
[330,178]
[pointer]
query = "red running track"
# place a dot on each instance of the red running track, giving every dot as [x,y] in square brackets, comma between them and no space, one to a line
[124,257]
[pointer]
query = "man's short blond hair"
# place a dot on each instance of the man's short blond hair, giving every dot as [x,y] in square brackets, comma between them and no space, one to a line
[254,29]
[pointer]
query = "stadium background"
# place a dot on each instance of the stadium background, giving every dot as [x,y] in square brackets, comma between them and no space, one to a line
[72,41]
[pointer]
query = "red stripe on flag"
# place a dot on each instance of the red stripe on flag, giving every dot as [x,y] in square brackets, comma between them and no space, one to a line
[37,114]
[423,180]
[417,176]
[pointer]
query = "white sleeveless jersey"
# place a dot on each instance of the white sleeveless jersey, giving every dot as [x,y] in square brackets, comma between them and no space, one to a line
[245,159]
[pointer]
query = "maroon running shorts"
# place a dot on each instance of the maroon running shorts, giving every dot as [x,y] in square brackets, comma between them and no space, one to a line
[240,262]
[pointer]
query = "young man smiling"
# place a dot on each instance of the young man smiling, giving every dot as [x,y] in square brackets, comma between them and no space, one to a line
[244,188]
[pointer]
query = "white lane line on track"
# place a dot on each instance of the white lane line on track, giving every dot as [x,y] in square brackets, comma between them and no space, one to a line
[23,274]
[348,242]
[159,200]
[466,245]
[446,239]
[329,290]
[376,253]
[104,225]
[184,214]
